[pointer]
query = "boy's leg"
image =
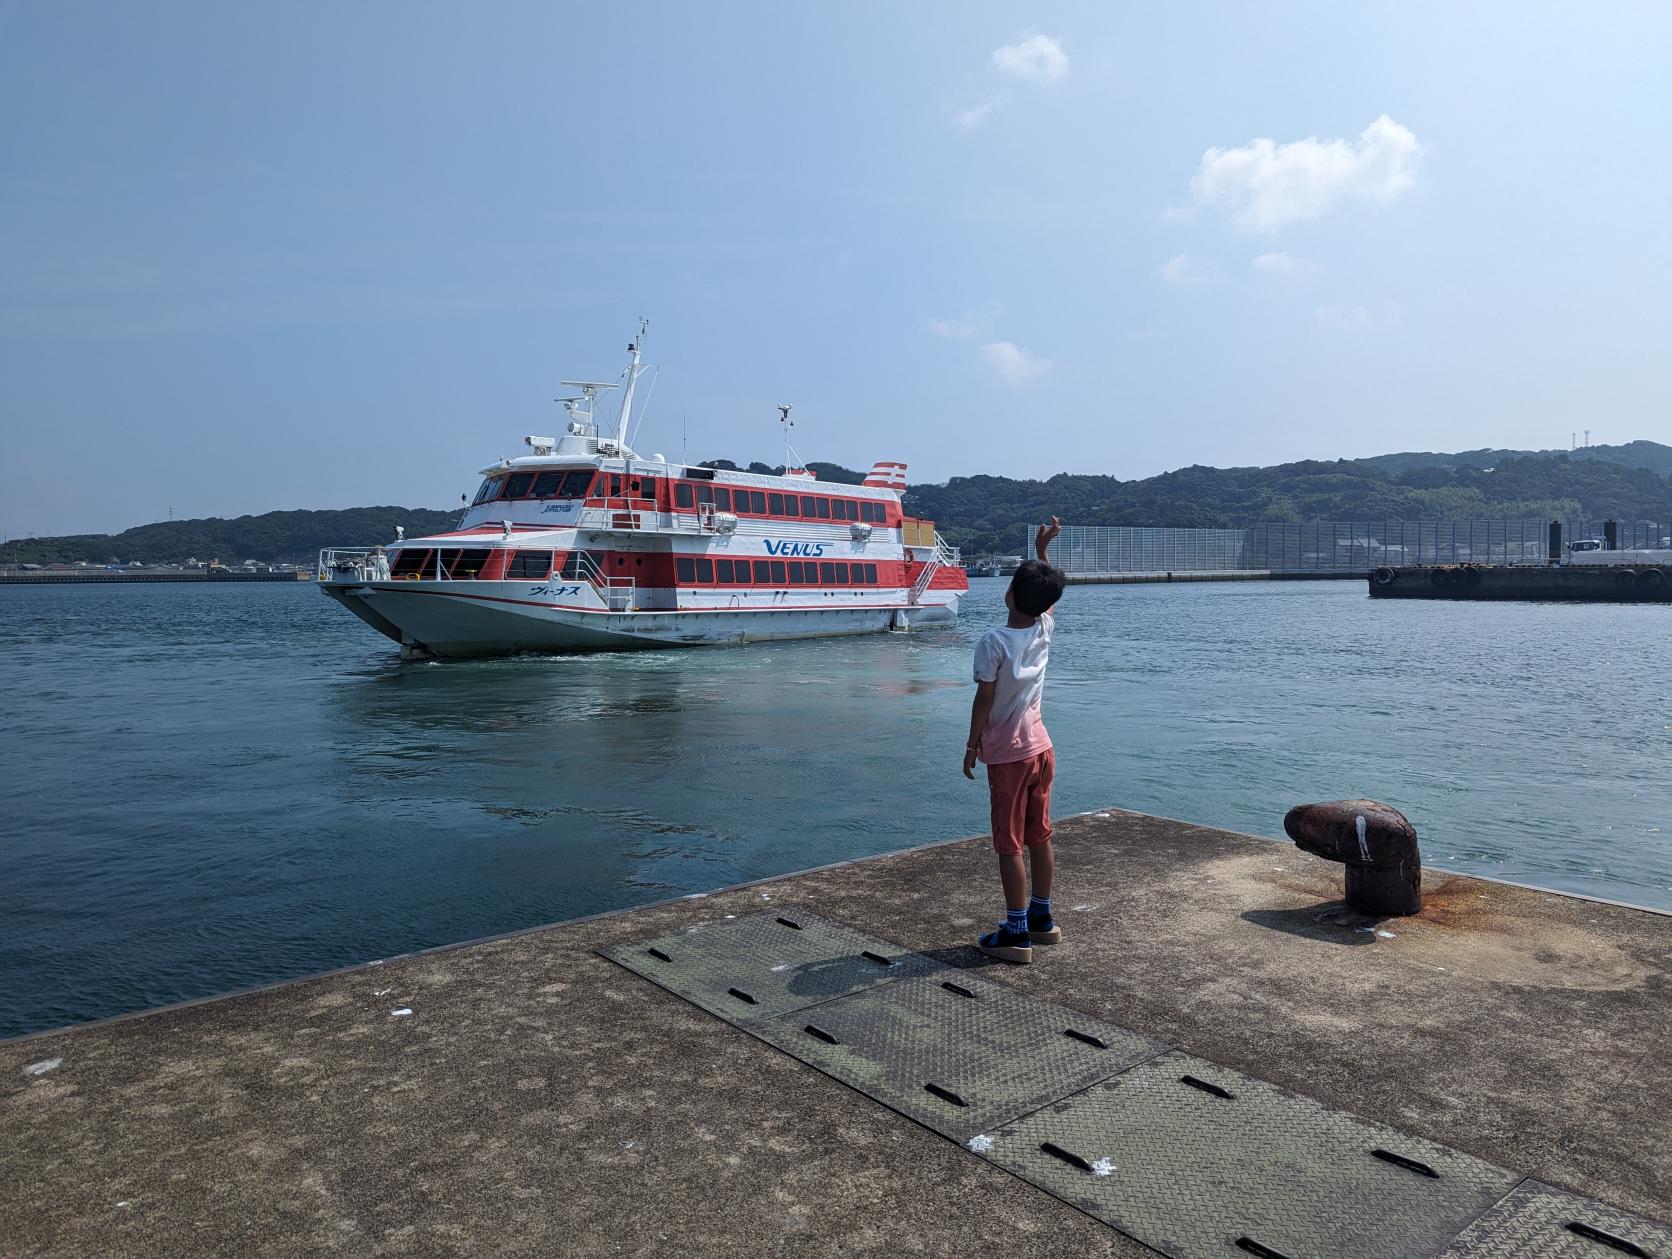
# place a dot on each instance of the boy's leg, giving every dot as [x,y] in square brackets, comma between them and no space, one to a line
[1042,862]
[1007,785]
[1013,873]
[1042,853]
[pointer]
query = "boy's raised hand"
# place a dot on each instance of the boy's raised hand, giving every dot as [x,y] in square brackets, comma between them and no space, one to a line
[1046,535]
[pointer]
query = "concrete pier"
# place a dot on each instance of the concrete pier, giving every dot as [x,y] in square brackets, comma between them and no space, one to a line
[539,1099]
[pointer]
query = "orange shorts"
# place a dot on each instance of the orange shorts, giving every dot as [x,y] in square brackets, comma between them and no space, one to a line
[1021,799]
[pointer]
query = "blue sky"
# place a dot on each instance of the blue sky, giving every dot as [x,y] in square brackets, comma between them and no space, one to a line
[320,255]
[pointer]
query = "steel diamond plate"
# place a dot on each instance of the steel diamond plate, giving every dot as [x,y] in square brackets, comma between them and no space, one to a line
[1194,1159]
[1541,1222]
[957,1054]
[763,965]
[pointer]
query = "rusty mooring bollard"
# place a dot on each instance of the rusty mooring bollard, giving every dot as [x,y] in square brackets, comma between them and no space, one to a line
[1377,844]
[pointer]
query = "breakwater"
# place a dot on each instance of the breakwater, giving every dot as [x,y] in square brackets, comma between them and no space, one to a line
[1563,583]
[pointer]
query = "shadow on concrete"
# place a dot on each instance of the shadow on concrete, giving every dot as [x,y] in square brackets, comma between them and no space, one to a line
[1332,922]
[963,957]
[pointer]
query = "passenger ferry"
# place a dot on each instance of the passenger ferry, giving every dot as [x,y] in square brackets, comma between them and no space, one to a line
[585,545]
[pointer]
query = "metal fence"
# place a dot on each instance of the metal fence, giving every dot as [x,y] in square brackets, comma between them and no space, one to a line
[1351,546]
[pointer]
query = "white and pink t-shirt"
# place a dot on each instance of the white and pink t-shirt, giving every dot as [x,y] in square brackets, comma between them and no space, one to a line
[1015,660]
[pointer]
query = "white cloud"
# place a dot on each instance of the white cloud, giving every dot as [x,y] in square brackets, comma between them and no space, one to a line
[1284,264]
[1358,318]
[971,118]
[976,322]
[1036,58]
[1265,185]
[1343,316]
[1189,269]
[1015,365]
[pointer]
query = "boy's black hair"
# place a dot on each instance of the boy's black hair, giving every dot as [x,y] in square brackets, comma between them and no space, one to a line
[1036,587]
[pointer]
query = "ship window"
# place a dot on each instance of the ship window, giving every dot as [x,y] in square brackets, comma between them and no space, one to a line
[645,487]
[795,572]
[705,571]
[722,498]
[841,574]
[685,570]
[705,494]
[486,490]
[853,510]
[777,572]
[463,565]
[775,504]
[545,485]
[530,565]
[577,484]
[822,506]
[807,509]
[827,574]
[683,495]
[723,571]
[757,502]
[516,486]
[742,577]
[792,505]
[763,572]
[870,574]
[811,573]
[412,563]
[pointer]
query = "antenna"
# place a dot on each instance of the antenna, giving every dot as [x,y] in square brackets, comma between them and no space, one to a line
[791,458]
[634,348]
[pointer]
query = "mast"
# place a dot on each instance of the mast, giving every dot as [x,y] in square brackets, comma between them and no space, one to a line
[633,369]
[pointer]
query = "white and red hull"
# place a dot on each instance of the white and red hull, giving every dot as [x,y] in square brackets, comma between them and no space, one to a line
[455,624]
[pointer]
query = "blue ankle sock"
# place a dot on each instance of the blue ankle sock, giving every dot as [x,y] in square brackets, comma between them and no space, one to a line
[1016,920]
[1039,906]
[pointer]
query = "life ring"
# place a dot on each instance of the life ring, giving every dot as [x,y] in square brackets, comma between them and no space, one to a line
[1437,577]
[1626,578]
[1385,576]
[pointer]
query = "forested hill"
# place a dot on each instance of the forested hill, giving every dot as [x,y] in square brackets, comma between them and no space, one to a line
[1650,455]
[981,513]
[278,537]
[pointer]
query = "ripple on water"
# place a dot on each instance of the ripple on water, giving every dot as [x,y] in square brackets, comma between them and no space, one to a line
[215,786]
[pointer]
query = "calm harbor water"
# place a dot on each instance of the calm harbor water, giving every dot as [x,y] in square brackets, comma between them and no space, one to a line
[207,787]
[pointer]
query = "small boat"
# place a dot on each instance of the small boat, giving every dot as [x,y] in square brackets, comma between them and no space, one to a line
[585,545]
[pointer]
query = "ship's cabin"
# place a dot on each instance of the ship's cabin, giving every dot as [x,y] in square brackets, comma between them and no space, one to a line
[695,491]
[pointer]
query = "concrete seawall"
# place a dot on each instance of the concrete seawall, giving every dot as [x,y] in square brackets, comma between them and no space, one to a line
[1181,575]
[83,578]
[524,1095]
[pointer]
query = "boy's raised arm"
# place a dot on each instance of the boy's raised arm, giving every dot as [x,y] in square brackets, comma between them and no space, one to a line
[1042,540]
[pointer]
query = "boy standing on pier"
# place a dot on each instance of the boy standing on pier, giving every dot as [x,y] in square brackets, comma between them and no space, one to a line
[1008,734]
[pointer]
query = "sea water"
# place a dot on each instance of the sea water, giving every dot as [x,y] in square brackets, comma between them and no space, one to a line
[212,786]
